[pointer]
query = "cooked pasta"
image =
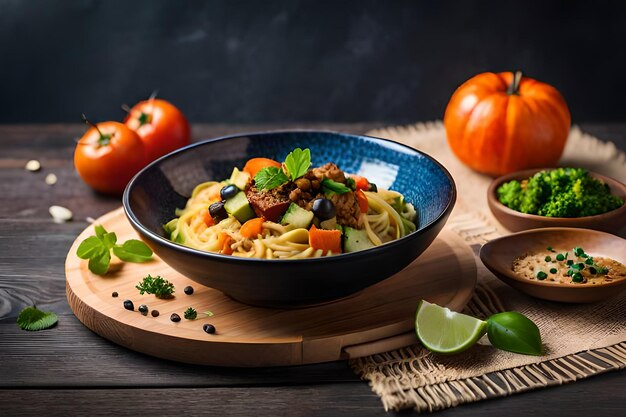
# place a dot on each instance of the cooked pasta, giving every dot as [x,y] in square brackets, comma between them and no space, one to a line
[321,212]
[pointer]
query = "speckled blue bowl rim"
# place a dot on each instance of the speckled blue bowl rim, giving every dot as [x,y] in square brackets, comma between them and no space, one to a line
[337,258]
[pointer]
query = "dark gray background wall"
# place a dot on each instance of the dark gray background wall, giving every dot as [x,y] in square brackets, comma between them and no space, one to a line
[274,61]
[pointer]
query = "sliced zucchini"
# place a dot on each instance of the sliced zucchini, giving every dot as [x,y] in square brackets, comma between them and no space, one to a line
[355,240]
[239,207]
[297,217]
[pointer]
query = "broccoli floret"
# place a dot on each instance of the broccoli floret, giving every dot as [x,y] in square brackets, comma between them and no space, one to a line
[510,194]
[561,192]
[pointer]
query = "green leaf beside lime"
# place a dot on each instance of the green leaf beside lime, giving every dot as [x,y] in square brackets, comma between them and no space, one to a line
[514,332]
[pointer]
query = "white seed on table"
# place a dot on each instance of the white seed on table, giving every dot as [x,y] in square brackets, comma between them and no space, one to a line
[60,214]
[33,165]
[51,179]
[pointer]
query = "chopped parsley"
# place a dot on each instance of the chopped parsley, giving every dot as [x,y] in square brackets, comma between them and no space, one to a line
[158,286]
[191,313]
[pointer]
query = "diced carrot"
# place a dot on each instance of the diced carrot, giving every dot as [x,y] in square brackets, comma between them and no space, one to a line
[252,228]
[254,165]
[208,219]
[362,199]
[224,241]
[361,183]
[326,240]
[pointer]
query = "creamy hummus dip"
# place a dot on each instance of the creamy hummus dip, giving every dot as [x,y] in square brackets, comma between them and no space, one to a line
[573,267]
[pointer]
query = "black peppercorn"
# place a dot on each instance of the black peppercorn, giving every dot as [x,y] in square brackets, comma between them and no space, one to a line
[114,294]
[209,328]
[128,305]
[188,290]
[143,309]
[155,313]
[175,317]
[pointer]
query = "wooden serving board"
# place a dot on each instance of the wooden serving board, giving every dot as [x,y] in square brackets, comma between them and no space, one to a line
[378,319]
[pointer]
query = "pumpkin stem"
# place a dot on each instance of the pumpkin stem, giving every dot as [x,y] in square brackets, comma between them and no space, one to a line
[514,86]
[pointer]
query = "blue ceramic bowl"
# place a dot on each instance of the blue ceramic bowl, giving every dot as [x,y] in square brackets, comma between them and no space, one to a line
[154,193]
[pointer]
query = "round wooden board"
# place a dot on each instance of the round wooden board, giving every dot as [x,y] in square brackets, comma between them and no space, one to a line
[378,319]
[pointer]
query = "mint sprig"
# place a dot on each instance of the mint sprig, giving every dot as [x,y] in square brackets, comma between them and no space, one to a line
[298,162]
[33,319]
[269,178]
[98,250]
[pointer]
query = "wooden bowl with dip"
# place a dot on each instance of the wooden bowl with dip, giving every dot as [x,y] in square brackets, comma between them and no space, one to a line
[499,256]
[515,221]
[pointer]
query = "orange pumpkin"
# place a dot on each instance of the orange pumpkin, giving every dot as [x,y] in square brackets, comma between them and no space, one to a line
[500,123]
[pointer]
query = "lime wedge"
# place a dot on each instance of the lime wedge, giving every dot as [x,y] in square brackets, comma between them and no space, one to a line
[443,331]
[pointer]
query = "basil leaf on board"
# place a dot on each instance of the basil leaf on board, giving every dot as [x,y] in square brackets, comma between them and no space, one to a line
[89,247]
[99,263]
[33,319]
[269,178]
[133,251]
[98,250]
[514,332]
[109,240]
[298,162]
[334,187]
[100,231]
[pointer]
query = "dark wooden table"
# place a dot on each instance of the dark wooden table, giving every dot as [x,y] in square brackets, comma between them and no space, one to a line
[68,370]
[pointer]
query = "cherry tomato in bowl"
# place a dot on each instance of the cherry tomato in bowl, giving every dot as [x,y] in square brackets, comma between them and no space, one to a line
[161,126]
[108,155]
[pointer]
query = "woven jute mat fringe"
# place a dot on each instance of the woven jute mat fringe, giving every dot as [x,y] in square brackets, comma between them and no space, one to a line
[580,340]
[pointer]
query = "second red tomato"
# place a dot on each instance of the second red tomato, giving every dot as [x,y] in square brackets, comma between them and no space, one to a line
[160,125]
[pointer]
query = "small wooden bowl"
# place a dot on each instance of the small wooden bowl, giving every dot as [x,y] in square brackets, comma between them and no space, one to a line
[515,221]
[498,256]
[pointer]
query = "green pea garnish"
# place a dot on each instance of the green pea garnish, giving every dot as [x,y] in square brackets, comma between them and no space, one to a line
[553,270]
[589,261]
[541,275]
[570,262]
[577,277]
[548,258]
[578,251]
[592,270]
[560,257]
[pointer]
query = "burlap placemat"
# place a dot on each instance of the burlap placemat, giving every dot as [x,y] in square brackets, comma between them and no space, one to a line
[579,340]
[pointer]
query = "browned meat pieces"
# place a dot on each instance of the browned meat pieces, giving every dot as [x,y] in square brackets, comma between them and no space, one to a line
[348,210]
[270,204]
[309,188]
[330,171]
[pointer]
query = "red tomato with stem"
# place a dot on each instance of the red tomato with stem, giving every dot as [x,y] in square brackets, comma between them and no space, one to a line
[160,125]
[108,155]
